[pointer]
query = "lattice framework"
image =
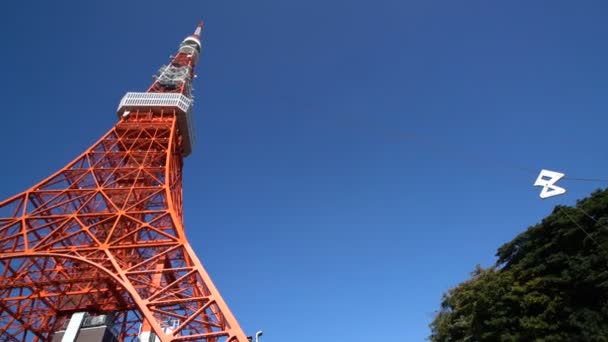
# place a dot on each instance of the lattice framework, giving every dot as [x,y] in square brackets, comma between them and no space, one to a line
[105,235]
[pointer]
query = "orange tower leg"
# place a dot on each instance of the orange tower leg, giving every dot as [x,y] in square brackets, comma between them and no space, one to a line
[105,235]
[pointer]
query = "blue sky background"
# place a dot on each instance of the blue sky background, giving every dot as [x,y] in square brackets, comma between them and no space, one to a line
[355,159]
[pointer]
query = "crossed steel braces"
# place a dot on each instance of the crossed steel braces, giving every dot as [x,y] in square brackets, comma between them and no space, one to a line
[105,235]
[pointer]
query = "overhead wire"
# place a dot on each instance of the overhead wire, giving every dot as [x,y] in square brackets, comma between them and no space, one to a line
[505,164]
[463,154]
[592,218]
[602,248]
[595,180]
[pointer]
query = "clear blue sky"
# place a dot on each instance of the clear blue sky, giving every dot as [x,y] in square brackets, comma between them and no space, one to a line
[355,159]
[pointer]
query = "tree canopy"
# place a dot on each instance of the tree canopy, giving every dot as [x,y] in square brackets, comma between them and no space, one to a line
[550,283]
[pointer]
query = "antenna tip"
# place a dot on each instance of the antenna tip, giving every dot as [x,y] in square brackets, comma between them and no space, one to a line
[199,29]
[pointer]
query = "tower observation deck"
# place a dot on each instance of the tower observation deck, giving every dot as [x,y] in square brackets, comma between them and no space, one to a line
[97,251]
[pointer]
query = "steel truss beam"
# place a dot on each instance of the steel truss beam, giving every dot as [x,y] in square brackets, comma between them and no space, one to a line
[105,235]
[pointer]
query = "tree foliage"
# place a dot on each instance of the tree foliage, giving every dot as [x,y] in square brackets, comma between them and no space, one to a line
[550,283]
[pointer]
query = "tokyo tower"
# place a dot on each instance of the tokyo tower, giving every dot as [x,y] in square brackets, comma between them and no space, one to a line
[97,251]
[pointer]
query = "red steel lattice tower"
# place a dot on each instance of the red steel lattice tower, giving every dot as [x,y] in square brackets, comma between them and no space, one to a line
[104,236]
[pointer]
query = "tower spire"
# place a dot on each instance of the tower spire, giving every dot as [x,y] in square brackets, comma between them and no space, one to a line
[100,244]
[199,29]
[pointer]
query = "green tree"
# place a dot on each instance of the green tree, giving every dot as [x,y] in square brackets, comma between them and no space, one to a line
[550,283]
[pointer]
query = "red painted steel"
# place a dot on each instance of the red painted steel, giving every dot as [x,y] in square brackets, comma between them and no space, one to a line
[105,235]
